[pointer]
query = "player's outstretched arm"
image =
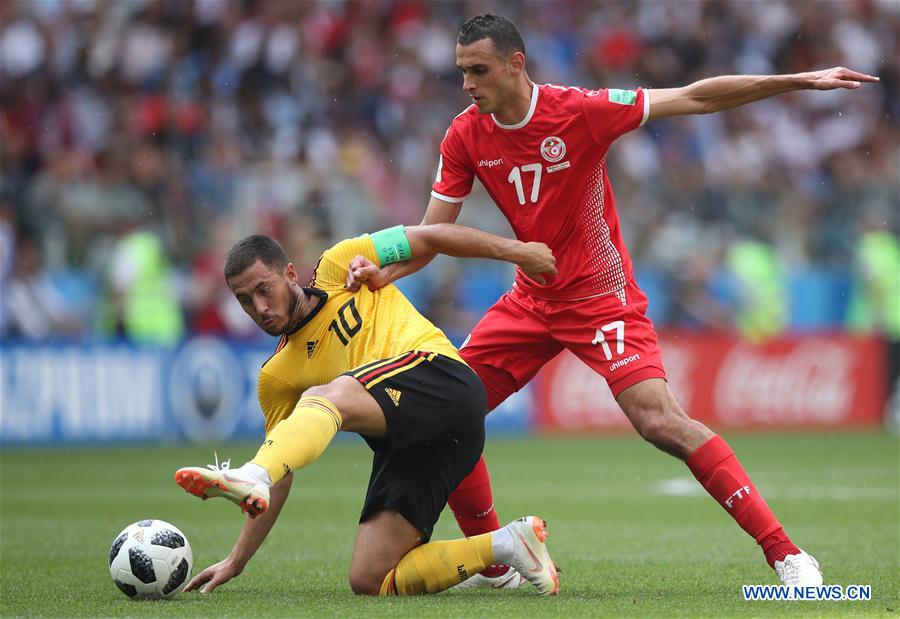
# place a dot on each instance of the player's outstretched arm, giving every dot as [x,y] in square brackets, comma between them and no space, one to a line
[252,535]
[535,259]
[727,91]
[424,242]
[363,271]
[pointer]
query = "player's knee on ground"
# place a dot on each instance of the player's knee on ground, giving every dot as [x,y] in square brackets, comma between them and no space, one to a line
[366,580]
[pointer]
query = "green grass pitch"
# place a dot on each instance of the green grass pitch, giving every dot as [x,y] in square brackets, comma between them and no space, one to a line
[626,526]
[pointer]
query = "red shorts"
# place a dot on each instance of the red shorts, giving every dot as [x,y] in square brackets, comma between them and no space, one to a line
[520,333]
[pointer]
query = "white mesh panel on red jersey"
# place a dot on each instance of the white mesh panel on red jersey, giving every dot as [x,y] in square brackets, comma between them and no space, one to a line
[609,274]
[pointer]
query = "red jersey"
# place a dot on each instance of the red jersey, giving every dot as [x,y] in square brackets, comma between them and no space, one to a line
[547,174]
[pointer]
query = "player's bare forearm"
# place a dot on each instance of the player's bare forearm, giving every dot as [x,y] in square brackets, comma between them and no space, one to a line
[728,91]
[250,539]
[255,530]
[461,242]
[395,271]
[535,259]
[721,93]
[425,242]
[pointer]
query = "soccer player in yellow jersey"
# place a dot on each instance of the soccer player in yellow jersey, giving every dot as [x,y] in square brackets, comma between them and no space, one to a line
[368,362]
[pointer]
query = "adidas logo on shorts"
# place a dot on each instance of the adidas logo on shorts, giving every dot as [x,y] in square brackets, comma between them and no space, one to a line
[394,394]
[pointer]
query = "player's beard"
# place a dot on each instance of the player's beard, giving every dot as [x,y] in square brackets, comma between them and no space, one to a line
[290,319]
[292,309]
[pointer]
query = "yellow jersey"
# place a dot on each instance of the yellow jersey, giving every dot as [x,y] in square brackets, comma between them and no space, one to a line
[345,330]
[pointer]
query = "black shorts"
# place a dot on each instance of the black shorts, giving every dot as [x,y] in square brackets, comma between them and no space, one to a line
[435,408]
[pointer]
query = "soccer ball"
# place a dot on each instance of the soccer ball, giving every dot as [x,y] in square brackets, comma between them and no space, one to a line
[150,559]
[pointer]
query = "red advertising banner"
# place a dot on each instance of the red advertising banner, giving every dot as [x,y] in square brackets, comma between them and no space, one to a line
[797,382]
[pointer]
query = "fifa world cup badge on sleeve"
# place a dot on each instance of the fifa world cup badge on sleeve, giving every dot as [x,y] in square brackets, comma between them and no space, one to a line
[622,97]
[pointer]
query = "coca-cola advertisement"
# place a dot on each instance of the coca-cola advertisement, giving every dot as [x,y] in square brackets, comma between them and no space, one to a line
[793,382]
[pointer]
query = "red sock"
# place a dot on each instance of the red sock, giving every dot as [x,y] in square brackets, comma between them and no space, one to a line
[717,469]
[473,505]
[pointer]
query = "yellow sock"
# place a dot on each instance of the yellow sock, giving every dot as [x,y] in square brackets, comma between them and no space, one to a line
[299,439]
[436,566]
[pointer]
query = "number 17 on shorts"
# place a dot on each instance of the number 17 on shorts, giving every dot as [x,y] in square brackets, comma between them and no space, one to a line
[616,340]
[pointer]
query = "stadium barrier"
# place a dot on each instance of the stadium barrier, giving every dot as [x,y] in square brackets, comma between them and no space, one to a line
[808,381]
[204,390]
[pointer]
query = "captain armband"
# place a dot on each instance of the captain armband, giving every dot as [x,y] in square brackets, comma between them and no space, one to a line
[391,245]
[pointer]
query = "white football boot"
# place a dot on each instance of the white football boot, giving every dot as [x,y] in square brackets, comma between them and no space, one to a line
[522,547]
[511,579]
[799,571]
[250,494]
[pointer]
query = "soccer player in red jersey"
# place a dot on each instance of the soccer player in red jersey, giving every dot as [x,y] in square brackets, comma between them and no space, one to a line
[540,152]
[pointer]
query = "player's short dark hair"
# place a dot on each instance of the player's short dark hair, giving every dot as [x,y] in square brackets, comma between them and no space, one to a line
[256,247]
[503,33]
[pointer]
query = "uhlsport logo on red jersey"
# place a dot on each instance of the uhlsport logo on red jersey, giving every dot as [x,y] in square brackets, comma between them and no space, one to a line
[553,149]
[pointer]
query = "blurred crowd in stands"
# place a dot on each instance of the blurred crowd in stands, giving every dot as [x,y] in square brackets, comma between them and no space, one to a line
[140,138]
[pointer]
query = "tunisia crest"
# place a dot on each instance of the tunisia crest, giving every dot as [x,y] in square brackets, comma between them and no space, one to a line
[553,149]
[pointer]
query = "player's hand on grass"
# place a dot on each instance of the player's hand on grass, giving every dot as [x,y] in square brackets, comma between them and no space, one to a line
[537,262]
[839,77]
[213,576]
[363,271]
